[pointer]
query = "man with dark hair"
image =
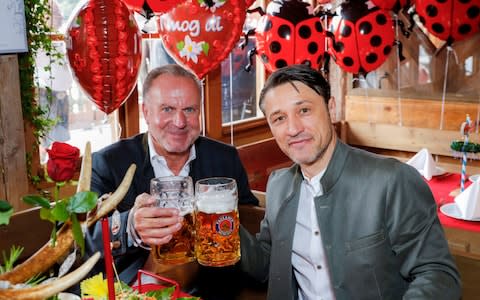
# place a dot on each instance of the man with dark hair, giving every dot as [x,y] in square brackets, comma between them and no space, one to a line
[341,223]
[171,147]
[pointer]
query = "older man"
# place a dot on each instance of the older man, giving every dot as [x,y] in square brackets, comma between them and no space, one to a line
[172,146]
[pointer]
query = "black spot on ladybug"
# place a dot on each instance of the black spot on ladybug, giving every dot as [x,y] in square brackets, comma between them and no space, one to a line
[280,63]
[348,61]
[464,1]
[304,32]
[431,11]
[473,12]
[264,58]
[376,41]
[307,62]
[381,19]
[346,31]
[387,50]
[338,47]
[318,26]
[372,58]
[442,1]
[268,26]
[312,47]
[438,28]
[464,29]
[365,27]
[284,31]
[275,47]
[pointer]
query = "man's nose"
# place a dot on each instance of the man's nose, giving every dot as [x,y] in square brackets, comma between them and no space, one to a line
[294,126]
[179,119]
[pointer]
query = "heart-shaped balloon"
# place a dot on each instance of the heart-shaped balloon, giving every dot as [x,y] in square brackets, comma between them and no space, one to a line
[199,36]
[104,52]
[157,6]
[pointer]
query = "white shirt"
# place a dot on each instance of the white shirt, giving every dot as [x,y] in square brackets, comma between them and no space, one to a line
[159,164]
[160,169]
[308,258]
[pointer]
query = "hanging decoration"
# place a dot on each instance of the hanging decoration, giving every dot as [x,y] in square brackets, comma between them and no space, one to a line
[104,52]
[156,6]
[200,35]
[363,36]
[289,33]
[450,20]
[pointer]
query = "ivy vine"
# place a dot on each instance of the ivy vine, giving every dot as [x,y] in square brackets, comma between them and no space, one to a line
[37,17]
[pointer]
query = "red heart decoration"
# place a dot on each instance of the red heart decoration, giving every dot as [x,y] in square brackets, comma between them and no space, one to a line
[104,52]
[199,37]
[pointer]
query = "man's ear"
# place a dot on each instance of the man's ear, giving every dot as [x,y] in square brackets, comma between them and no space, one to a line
[332,110]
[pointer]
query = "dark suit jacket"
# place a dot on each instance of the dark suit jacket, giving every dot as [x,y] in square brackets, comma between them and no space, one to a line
[110,165]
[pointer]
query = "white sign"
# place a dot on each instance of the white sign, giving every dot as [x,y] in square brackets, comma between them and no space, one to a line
[13,37]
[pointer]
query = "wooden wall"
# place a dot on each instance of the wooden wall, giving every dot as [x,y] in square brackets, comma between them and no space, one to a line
[13,171]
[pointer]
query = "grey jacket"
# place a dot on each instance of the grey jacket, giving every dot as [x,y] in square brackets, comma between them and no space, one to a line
[379,228]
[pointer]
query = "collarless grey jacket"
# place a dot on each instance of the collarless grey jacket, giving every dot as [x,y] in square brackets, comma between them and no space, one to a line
[379,228]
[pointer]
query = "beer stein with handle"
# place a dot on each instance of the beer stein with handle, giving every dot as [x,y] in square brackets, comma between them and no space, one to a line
[217,241]
[176,192]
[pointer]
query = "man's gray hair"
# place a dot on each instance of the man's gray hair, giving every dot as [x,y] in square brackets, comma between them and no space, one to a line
[172,69]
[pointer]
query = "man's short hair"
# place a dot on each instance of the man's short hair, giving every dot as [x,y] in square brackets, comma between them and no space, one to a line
[302,73]
[171,69]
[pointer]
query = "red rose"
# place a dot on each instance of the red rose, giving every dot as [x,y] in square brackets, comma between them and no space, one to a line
[62,161]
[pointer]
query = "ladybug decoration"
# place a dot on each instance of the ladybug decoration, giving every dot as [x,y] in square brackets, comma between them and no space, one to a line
[393,5]
[288,34]
[362,36]
[450,20]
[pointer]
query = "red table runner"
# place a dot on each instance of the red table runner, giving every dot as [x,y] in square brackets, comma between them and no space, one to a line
[441,186]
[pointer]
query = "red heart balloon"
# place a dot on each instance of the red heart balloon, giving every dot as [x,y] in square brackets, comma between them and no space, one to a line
[104,52]
[199,37]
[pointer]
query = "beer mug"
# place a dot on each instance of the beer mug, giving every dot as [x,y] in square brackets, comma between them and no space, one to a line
[176,192]
[217,241]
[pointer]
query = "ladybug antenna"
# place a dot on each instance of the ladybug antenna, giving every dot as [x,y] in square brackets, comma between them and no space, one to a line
[400,49]
[257,9]
[251,54]
[147,11]
[244,43]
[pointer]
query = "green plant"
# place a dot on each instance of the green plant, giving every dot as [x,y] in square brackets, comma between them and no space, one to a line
[37,16]
[9,261]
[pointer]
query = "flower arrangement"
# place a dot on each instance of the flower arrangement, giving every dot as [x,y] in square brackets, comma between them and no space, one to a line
[61,167]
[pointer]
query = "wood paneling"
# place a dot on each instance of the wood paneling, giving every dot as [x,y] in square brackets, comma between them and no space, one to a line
[13,172]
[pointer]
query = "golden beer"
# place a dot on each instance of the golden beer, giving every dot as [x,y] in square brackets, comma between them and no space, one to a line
[176,192]
[180,249]
[217,239]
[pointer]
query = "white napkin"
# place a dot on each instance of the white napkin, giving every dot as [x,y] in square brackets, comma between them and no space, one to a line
[469,201]
[424,163]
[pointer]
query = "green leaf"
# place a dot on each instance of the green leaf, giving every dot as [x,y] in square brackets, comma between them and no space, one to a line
[188,298]
[36,201]
[82,202]
[46,214]
[77,233]
[205,47]
[59,212]
[180,45]
[163,294]
[6,211]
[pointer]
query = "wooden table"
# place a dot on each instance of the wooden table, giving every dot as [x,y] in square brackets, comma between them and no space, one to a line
[463,236]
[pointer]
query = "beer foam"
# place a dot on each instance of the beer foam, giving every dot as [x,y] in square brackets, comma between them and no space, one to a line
[216,202]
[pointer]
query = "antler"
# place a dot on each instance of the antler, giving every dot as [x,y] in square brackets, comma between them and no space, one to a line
[43,291]
[47,256]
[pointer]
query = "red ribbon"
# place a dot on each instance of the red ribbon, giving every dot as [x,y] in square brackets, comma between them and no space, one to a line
[108,258]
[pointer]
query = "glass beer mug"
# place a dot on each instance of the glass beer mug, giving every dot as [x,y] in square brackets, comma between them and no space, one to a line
[217,241]
[176,192]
